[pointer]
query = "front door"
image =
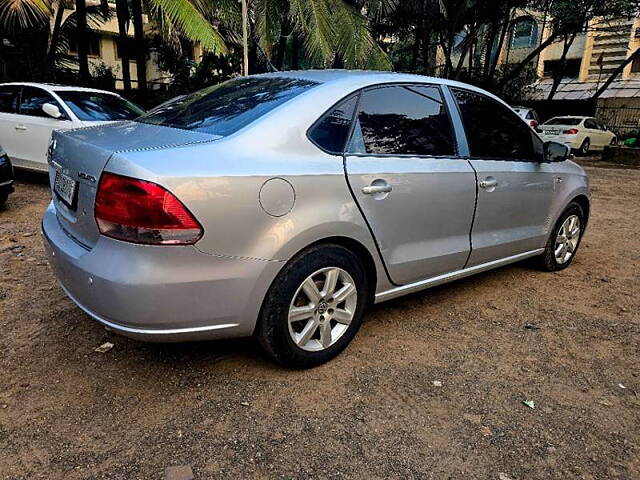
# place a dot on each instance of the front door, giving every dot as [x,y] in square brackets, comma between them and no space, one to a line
[417,195]
[33,128]
[515,190]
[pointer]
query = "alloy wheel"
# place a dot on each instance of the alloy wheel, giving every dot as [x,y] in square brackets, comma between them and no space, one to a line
[322,309]
[567,239]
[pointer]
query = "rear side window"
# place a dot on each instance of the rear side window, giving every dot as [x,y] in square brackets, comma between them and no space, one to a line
[32,100]
[225,108]
[493,130]
[332,130]
[590,123]
[9,99]
[402,120]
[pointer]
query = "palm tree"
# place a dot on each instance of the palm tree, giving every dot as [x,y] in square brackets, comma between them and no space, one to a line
[23,14]
[122,13]
[331,30]
[83,43]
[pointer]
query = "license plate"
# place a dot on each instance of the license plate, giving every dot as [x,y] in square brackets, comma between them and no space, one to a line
[65,187]
[553,132]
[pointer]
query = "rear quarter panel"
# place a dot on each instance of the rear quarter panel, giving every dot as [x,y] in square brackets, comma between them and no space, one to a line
[220,183]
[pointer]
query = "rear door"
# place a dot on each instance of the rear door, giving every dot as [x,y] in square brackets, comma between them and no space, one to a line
[594,134]
[416,193]
[33,128]
[515,190]
[9,99]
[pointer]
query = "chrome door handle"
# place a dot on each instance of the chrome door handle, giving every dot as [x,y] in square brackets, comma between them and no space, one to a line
[20,127]
[372,189]
[488,183]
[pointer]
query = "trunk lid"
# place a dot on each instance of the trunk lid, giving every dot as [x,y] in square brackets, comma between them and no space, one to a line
[78,157]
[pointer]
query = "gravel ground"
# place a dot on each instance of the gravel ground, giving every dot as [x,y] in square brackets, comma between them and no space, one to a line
[67,412]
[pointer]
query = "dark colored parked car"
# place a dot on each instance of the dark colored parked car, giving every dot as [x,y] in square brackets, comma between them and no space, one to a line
[6,177]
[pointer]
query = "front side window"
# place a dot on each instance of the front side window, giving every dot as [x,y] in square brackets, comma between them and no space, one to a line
[403,120]
[9,99]
[225,108]
[96,106]
[331,132]
[32,100]
[494,131]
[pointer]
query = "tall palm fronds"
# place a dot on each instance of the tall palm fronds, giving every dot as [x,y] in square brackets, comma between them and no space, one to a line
[330,29]
[189,19]
[20,14]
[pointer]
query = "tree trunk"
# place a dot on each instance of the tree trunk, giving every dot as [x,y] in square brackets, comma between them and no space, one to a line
[141,51]
[558,73]
[122,12]
[295,54]
[281,48]
[245,39]
[488,48]
[496,58]
[522,65]
[419,33]
[84,77]
[616,72]
[55,35]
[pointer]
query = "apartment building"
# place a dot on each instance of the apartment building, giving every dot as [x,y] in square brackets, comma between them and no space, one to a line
[594,55]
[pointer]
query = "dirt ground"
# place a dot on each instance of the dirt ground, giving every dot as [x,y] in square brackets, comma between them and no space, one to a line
[67,412]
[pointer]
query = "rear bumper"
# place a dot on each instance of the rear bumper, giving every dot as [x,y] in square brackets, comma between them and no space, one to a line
[164,293]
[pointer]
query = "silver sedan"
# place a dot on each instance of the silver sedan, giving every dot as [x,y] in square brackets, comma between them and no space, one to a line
[283,205]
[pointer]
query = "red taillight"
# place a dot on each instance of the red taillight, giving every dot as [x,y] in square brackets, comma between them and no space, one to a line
[143,212]
[533,123]
[571,131]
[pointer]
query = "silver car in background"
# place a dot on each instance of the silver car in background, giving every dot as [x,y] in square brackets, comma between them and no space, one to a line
[282,205]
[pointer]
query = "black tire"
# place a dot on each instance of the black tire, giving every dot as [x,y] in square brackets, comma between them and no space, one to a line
[547,261]
[584,148]
[272,330]
[3,198]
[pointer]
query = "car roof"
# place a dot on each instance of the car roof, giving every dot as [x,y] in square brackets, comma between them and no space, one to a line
[570,116]
[53,87]
[366,77]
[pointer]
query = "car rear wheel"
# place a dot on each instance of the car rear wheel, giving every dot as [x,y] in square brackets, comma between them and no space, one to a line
[564,240]
[3,198]
[314,307]
[584,148]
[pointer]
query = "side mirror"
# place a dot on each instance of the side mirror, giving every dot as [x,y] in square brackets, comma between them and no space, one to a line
[556,152]
[51,110]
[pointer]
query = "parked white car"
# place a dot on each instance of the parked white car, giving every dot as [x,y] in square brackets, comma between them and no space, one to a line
[529,115]
[29,112]
[582,134]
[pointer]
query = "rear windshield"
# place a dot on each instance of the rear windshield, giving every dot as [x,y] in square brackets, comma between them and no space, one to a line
[563,121]
[225,108]
[96,106]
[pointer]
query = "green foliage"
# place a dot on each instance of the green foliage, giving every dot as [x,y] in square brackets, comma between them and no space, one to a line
[23,14]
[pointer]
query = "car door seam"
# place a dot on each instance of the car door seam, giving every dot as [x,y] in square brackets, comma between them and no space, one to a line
[366,221]
[473,217]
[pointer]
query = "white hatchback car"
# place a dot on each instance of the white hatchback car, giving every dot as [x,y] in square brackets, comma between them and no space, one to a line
[582,134]
[29,112]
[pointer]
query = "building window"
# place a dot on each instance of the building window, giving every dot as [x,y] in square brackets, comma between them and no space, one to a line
[93,45]
[525,33]
[571,67]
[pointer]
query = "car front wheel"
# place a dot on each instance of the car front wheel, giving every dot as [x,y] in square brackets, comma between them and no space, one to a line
[314,307]
[565,239]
